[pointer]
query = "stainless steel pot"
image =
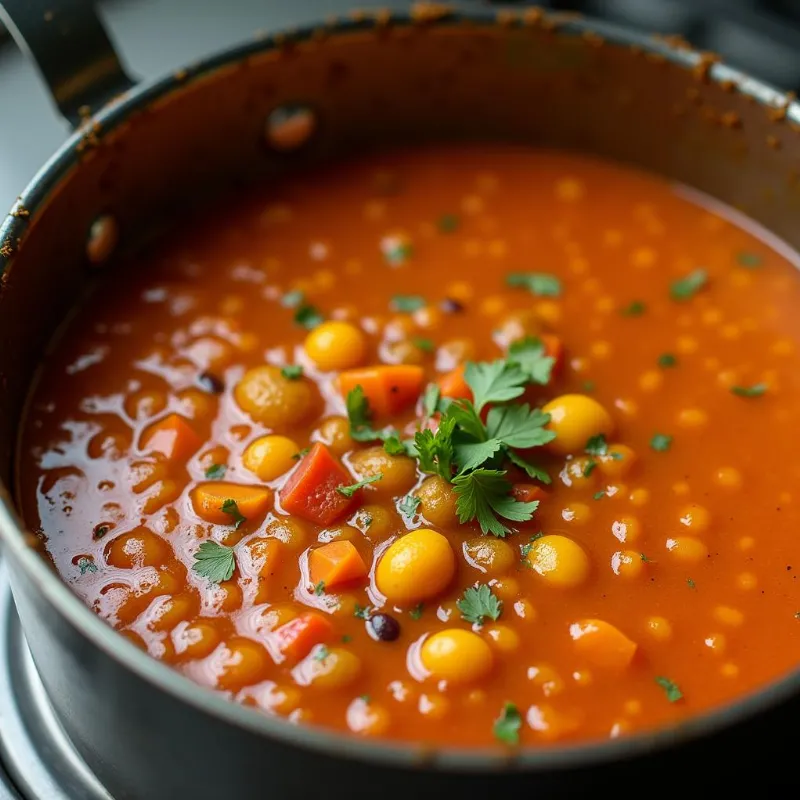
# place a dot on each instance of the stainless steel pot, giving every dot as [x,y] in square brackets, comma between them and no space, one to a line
[142,153]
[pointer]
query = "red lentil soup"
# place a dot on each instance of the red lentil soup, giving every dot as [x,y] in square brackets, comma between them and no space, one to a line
[463,445]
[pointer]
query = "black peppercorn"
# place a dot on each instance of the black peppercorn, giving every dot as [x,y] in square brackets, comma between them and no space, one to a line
[383,627]
[210,383]
[451,306]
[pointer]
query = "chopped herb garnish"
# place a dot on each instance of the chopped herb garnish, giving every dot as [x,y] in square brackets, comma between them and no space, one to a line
[688,286]
[426,345]
[690,583]
[671,689]
[408,505]
[362,612]
[100,531]
[599,495]
[507,726]
[229,507]
[85,564]
[349,491]
[319,588]
[301,453]
[396,250]
[484,495]
[634,309]
[216,472]
[408,303]
[308,317]
[494,382]
[644,558]
[292,372]
[531,356]
[394,447]
[539,283]
[358,413]
[293,299]
[661,442]
[756,390]
[321,653]
[364,698]
[589,468]
[416,612]
[448,223]
[667,360]
[214,561]
[346,638]
[749,260]
[597,445]
[430,400]
[525,549]
[588,386]
[478,603]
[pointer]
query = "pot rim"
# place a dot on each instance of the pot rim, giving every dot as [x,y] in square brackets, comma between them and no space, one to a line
[334,743]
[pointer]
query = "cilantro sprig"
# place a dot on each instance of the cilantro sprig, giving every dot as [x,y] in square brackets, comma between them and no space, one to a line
[349,491]
[507,726]
[230,508]
[214,561]
[478,603]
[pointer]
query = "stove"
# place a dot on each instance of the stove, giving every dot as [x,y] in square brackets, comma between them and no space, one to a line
[37,760]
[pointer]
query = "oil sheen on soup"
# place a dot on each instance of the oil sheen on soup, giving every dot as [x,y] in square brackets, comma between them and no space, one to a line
[475,446]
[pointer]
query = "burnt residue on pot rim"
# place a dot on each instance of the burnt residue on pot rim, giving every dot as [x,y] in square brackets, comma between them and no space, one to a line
[780,108]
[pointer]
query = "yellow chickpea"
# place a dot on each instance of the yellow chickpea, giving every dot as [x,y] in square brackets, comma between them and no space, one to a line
[291,531]
[576,418]
[579,472]
[273,400]
[399,472]
[244,662]
[438,502]
[489,554]
[617,462]
[416,567]
[170,610]
[627,529]
[659,628]
[506,588]
[696,519]
[502,638]
[457,656]
[576,513]
[336,346]
[516,326]
[367,718]
[328,669]
[137,548]
[627,564]
[196,404]
[561,562]
[197,640]
[269,457]
[335,433]
[375,522]
[687,548]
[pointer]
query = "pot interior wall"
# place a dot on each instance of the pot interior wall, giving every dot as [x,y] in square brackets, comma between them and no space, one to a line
[373,87]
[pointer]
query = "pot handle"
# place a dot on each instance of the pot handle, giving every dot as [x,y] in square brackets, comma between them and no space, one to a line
[72,49]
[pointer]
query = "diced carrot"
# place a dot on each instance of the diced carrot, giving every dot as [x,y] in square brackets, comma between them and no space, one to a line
[336,563]
[296,638]
[389,389]
[311,493]
[603,644]
[526,492]
[171,436]
[225,503]
[554,347]
[453,384]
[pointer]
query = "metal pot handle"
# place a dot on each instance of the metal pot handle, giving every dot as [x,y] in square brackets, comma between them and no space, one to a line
[72,49]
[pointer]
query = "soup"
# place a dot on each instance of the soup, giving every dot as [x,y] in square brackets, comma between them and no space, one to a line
[467,446]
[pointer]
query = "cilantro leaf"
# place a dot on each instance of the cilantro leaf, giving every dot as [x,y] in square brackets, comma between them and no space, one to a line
[671,689]
[507,726]
[408,303]
[408,505]
[531,470]
[308,317]
[229,507]
[214,561]
[494,382]
[597,445]
[465,417]
[319,588]
[293,299]
[519,426]
[635,309]
[216,472]
[358,414]
[448,223]
[471,455]
[292,372]
[530,354]
[756,390]
[394,447]
[484,495]
[749,260]
[424,344]
[349,491]
[667,360]
[661,442]
[416,612]
[435,450]
[430,400]
[688,286]
[478,603]
[539,283]
[85,564]
[362,612]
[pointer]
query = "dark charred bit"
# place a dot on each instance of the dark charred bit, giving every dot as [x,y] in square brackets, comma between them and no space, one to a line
[210,383]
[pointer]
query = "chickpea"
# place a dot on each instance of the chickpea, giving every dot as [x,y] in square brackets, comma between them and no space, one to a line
[561,562]
[687,548]
[328,669]
[617,462]
[695,518]
[454,352]
[160,493]
[659,628]
[438,502]
[489,554]
[576,513]
[336,346]
[627,529]
[269,457]
[399,472]
[229,596]
[339,533]
[402,352]
[137,548]
[275,401]
[334,432]
[502,638]
[507,588]
[416,567]
[195,404]
[264,555]
[243,663]
[579,472]
[602,643]
[145,404]
[367,718]
[292,532]
[575,418]
[169,610]
[627,564]
[197,639]
[517,326]
[457,656]
[143,474]
[375,522]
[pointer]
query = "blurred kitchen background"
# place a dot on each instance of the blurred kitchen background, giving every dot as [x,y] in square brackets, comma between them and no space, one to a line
[155,36]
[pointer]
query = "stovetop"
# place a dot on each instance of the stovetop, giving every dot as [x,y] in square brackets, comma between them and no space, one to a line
[37,761]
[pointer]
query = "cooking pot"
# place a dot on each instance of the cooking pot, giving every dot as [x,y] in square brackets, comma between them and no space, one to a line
[143,154]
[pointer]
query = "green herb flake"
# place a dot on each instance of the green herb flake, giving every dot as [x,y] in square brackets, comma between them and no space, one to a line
[671,689]
[346,639]
[448,223]
[540,284]
[599,495]
[634,309]
[589,386]
[349,491]
[397,250]
[301,453]
[530,354]
[308,317]
[214,561]
[667,360]
[394,447]
[416,612]
[85,564]
[293,299]
[424,344]
[359,414]
[319,588]
[321,653]
[407,303]
[690,583]
[589,468]
[749,260]
[478,603]
[756,390]
[230,508]
[644,558]
[292,372]
[100,531]
[507,726]
[408,505]
[597,445]
[525,549]
[365,698]
[688,286]
[216,472]
[362,612]
[661,442]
